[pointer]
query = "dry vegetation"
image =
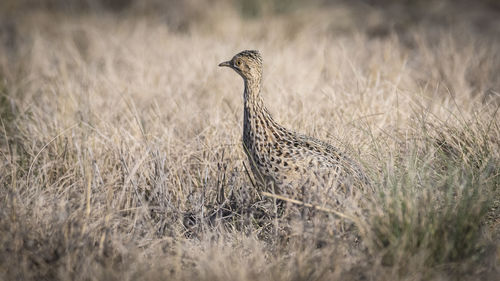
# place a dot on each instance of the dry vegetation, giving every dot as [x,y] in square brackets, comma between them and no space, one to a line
[121,156]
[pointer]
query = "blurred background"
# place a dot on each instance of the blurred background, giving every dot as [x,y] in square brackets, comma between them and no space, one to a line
[269,26]
[377,16]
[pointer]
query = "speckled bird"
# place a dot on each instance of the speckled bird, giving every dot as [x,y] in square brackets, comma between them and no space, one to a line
[281,158]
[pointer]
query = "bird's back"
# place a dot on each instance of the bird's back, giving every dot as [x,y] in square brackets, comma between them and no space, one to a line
[287,159]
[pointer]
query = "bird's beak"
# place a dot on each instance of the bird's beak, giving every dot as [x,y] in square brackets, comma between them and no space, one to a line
[226,63]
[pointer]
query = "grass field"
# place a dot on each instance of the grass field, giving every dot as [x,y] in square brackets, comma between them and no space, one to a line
[121,155]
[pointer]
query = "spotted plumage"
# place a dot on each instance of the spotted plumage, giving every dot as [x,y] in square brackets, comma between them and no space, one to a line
[282,158]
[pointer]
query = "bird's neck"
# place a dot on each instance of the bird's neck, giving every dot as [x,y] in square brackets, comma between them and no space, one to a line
[255,113]
[251,95]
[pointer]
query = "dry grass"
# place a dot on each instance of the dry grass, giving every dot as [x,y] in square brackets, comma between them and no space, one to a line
[121,155]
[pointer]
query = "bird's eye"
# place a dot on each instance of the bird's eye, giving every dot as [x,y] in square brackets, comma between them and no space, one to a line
[238,62]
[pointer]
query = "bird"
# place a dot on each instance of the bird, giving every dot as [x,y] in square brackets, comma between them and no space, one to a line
[281,160]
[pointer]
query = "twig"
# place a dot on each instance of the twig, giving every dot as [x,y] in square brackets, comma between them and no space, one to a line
[294,201]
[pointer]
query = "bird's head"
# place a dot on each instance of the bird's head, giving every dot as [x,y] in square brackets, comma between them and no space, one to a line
[248,64]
